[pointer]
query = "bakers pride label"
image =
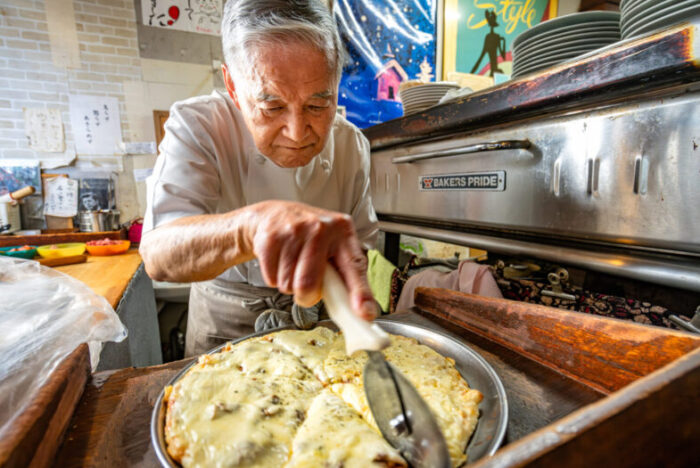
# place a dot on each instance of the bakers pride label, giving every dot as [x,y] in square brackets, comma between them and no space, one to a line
[493,181]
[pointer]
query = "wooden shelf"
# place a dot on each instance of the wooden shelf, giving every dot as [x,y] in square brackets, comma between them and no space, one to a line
[60,238]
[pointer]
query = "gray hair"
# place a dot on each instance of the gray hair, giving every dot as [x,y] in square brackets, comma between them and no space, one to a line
[247,24]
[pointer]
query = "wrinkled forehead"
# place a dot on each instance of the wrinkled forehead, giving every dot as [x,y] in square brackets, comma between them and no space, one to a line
[289,66]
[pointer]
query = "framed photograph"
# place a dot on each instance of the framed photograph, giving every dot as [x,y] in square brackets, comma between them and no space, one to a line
[477,35]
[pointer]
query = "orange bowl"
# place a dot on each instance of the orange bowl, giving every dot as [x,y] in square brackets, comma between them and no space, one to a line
[113,249]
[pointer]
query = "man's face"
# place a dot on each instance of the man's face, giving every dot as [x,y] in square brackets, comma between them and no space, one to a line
[288,102]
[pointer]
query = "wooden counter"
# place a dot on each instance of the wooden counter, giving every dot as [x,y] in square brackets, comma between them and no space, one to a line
[108,276]
[122,281]
[112,421]
[111,425]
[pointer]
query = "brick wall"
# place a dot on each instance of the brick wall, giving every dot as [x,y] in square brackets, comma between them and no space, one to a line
[109,56]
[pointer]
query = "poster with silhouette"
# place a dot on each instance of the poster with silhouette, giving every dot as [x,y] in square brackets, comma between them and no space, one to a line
[478,34]
[199,16]
[388,42]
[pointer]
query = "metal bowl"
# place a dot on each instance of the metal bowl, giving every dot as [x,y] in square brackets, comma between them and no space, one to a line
[478,373]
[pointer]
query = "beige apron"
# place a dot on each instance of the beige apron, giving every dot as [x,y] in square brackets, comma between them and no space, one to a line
[220,311]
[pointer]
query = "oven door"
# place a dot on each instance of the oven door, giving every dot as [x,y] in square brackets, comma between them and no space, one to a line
[626,175]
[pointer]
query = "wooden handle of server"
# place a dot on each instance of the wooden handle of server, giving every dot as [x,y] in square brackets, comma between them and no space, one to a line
[358,333]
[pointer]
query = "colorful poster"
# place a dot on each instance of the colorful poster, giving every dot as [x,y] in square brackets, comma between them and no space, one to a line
[18,173]
[198,16]
[479,34]
[388,42]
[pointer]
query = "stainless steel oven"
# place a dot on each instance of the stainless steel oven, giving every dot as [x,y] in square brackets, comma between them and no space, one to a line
[593,164]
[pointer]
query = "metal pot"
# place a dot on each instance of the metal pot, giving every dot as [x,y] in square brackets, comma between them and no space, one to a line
[98,221]
[91,221]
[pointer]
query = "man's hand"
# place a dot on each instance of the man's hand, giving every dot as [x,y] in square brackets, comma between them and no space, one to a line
[293,243]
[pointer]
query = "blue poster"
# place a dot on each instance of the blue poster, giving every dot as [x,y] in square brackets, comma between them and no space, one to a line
[388,42]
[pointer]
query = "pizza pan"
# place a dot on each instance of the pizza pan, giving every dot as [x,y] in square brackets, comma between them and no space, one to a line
[478,373]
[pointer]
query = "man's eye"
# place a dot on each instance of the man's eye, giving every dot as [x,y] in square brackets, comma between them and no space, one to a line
[272,111]
[318,108]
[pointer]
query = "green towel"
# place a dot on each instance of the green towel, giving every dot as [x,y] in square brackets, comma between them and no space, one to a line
[379,275]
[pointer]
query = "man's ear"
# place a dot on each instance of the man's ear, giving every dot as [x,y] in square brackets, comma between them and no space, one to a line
[230,86]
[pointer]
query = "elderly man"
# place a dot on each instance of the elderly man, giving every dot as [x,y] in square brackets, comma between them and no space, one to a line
[255,191]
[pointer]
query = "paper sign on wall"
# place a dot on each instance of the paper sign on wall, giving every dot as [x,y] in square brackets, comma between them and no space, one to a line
[61,197]
[44,129]
[96,124]
[199,16]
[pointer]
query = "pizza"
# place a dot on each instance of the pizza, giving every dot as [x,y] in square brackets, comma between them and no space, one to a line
[293,398]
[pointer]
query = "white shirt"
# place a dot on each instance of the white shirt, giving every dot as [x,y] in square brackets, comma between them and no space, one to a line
[208,163]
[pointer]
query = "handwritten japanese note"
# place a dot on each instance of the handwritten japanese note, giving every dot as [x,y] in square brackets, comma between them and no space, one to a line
[199,16]
[44,129]
[61,197]
[96,124]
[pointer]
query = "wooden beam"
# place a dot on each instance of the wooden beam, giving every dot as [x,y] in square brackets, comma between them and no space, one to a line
[652,422]
[604,353]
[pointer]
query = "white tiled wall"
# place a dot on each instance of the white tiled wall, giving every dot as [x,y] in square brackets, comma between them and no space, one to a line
[109,66]
[106,31]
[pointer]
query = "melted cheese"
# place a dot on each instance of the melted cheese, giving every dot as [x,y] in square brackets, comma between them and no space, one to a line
[336,435]
[251,405]
[311,347]
[240,408]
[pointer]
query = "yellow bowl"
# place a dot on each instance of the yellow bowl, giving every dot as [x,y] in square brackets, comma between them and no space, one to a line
[61,250]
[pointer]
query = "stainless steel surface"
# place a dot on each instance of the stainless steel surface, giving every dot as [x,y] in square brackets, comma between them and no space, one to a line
[470,149]
[91,221]
[110,221]
[560,295]
[677,272]
[625,175]
[478,373]
[684,324]
[402,415]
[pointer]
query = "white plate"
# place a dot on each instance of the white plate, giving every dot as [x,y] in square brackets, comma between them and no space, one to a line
[571,32]
[669,17]
[652,12]
[587,46]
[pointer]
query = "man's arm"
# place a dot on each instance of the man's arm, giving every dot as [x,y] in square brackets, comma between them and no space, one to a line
[292,241]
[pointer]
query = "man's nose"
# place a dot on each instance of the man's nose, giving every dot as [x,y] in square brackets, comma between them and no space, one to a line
[297,126]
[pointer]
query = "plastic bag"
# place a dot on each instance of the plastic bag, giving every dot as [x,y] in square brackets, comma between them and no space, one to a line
[44,316]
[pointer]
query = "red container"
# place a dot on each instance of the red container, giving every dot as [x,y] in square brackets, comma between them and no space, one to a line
[135,231]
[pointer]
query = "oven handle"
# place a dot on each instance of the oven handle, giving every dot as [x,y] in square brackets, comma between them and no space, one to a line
[477,148]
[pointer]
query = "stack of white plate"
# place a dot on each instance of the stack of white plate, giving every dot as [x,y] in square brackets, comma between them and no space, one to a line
[419,97]
[643,16]
[561,39]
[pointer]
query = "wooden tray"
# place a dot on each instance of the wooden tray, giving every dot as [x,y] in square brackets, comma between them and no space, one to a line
[648,376]
[36,434]
[60,238]
[568,406]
